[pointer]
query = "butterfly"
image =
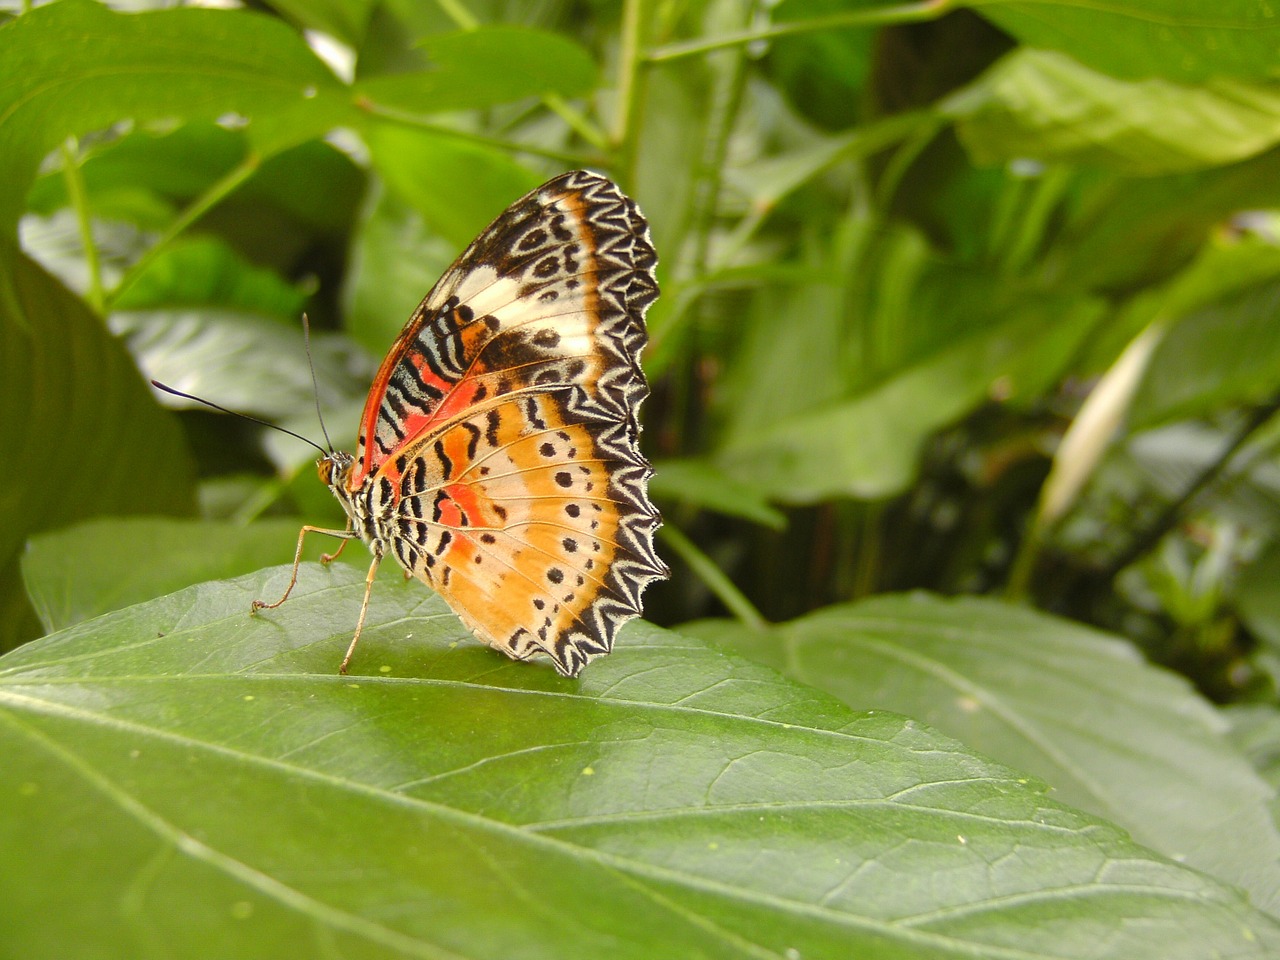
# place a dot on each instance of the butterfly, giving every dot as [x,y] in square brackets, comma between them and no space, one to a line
[497,458]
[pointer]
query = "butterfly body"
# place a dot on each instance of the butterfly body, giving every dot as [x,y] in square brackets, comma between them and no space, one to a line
[498,456]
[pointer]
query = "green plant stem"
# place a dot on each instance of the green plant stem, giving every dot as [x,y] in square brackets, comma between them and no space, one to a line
[1037,209]
[717,582]
[577,122]
[79,196]
[924,128]
[726,97]
[392,115]
[220,190]
[627,104]
[1024,562]
[1154,532]
[459,14]
[905,13]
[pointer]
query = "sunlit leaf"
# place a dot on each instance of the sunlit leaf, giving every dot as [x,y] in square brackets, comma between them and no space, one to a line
[673,802]
[1155,38]
[240,362]
[1044,106]
[1108,732]
[185,64]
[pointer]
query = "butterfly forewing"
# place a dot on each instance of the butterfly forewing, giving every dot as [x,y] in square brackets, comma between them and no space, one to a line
[500,438]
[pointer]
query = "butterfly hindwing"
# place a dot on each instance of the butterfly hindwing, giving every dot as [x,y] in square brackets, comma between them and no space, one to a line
[503,424]
[528,526]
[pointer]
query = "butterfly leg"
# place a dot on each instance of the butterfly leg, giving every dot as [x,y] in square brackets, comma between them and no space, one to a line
[330,557]
[364,609]
[297,559]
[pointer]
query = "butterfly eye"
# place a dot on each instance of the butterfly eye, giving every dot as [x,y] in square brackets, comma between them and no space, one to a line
[324,469]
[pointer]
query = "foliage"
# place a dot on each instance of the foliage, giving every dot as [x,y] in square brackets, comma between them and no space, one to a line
[955,301]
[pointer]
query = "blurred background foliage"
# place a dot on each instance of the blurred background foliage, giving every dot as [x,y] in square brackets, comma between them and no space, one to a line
[957,299]
[962,298]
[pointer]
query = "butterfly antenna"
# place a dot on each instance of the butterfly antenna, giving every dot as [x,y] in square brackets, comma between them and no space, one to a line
[235,413]
[315,386]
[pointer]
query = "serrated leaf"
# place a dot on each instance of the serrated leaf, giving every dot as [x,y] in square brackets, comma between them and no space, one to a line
[186,780]
[1044,106]
[1079,708]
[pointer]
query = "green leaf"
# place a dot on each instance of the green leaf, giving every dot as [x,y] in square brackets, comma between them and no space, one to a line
[176,165]
[1044,106]
[822,72]
[1229,264]
[424,169]
[703,484]
[484,67]
[868,446]
[160,65]
[204,271]
[344,19]
[1255,732]
[81,434]
[183,779]
[1155,38]
[1228,352]
[89,569]
[1079,708]
[1258,596]
[239,361]
[395,259]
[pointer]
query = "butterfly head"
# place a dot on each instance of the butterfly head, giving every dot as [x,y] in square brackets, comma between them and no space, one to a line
[334,469]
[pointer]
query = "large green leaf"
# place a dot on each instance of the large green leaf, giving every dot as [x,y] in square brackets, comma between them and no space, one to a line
[483,67]
[1126,232]
[206,271]
[101,565]
[702,484]
[1108,732]
[81,434]
[1179,39]
[184,779]
[1226,352]
[1043,105]
[71,67]
[425,170]
[394,260]
[868,445]
[1258,596]
[247,362]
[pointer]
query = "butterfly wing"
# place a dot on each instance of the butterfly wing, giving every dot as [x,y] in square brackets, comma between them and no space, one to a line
[503,425]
